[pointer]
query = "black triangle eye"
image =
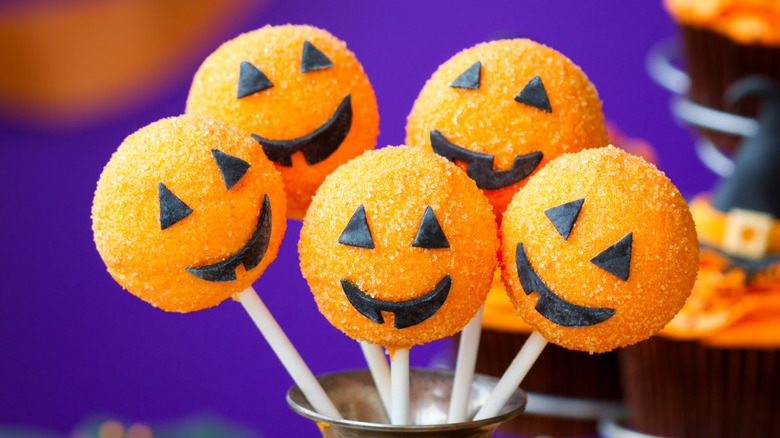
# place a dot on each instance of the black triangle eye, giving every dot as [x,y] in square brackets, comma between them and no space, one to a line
[232,168]
[616,259]
[356,233]
[534,94]
[429,233]
[563,216]
[251,80]
[172,209]
[313,59]
[469,78]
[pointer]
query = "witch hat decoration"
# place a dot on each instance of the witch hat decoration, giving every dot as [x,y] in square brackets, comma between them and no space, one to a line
[755,183]
[750,196]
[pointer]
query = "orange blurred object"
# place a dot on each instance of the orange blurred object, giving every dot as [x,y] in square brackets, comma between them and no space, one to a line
[72,62]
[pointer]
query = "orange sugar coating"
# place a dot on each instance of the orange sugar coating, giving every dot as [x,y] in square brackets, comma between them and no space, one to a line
[149,261]
[489,120]
[395,185]
[297,103]
[622,193]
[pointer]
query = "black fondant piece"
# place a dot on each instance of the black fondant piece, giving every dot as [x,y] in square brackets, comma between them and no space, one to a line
[563,216]
[313,59]
[549,304]
[357,233]
[232,168]
[172,209]
[317,145]
[534,94]
[616,259]
[429,233]
[251,80]
[250,254]
[480,165]
[469,78]
[407,313]
[755,183]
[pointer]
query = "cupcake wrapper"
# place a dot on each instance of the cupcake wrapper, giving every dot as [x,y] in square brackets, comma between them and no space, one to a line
[714,62]
[686,390]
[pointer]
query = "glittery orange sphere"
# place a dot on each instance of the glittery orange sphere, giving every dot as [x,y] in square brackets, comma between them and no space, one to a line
[187,213]
[399,247]
[507,100]
[599,250]
[300,92]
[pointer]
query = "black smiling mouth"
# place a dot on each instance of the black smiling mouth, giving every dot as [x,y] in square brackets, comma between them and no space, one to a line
[407,313]
[318,144]
[250,255]
[479,166]
[550,305]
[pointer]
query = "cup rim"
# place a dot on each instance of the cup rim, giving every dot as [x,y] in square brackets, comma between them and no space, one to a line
[518,394]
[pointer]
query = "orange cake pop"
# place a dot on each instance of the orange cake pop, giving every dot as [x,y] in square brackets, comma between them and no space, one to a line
[599,250]
[187,213]
[300,93]
[399,247]
[502,110]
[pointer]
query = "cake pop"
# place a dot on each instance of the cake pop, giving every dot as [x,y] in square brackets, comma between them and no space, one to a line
[301,95]
[187,213]
[502,110]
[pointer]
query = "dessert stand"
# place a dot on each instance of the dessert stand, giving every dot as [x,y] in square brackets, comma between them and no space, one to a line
[356,398]
[661,66]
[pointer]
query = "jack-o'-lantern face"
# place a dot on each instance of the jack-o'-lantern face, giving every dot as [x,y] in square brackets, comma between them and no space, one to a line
[599,250]
[301,95]
[398,247]
[502,110]
[407,312]
[189,212]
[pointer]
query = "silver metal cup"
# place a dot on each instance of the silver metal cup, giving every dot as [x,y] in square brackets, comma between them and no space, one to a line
[356,398]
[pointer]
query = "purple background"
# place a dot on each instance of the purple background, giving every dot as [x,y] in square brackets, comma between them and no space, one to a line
[73,344]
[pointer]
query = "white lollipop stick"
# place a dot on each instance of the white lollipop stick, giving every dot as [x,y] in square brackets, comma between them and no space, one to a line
[380,371]
[464,369]
[286,353]
[399,387]
[513,376]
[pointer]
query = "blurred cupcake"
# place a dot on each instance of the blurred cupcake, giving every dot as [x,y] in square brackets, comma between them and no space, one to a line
[715,369]
[723,41]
